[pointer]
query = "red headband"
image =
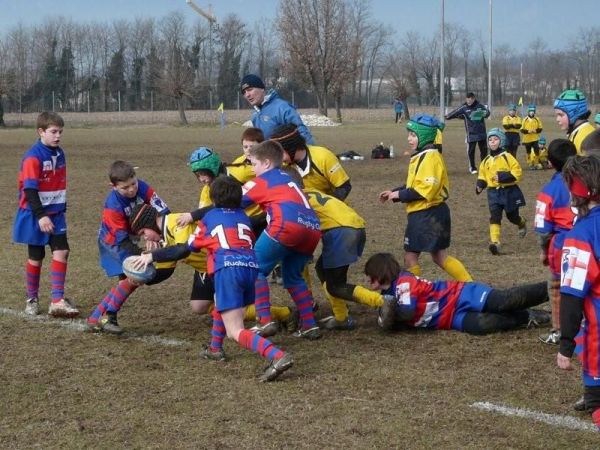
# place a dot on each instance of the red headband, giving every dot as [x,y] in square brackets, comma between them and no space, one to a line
[577,187]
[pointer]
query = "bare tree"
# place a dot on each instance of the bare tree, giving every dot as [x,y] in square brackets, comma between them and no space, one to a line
[232,35]
[177,78]
[314,36]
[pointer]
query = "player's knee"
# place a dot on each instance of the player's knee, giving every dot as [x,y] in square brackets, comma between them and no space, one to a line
[200,306]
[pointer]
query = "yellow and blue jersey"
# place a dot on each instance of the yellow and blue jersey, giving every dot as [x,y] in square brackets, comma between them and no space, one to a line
[502,163]
[531,124]
[512,124]
[578,135]
[332,212]
[428,176]
[323,171]
[173,235]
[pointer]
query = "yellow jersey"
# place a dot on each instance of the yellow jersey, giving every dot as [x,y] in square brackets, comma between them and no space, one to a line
[173,235]
[242,171]
[512,124]
[323,171]
[332,212]
[428,176]
[531,124]
[502,162]
[578,135]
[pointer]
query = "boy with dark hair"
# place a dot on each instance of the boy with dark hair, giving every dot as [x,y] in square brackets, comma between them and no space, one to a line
[41,215]
[580,278]
[470,307]
[499,175]
[290,238]
[226,234]
[554,216]
[115,242]
[425,193]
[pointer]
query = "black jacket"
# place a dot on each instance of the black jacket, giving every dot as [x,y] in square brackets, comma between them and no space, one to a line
[475,129]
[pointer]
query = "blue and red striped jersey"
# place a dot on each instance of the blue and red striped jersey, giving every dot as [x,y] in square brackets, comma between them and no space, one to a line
[44,169]
[227,236]
[114,227]
[291,220]
[433,302]
[580,277]
[553,212]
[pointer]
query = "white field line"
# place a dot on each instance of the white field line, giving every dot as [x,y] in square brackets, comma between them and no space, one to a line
[572,423]
[79,325]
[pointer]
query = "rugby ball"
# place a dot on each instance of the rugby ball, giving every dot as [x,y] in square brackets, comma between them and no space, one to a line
[138,276]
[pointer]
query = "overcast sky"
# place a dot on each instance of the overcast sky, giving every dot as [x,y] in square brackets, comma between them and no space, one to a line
[515,22]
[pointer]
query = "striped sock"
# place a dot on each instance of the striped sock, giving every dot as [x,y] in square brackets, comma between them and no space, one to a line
[303,299]
[58,272]
[218,333]
[32,279]
[262,301]
[113,301]
[260,345]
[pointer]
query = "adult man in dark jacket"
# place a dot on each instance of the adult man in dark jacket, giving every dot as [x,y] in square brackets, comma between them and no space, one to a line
[473,113]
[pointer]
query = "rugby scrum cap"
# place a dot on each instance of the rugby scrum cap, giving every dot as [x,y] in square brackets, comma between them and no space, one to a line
[425,127]
[597,119]
[542,140]
[250,81]
[499,134]
[531,107]
[204,158]
[290,138]
[573,103]
[512,107]
[142,216]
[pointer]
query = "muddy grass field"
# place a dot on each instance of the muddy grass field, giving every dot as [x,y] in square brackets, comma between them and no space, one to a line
[63,388]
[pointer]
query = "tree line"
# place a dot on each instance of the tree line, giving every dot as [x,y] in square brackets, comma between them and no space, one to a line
[318,53]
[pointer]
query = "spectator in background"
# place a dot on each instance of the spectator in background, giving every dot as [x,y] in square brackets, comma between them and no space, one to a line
[270,110]
[398,109]
[473,113]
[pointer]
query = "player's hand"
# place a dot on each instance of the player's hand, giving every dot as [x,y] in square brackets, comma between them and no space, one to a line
[563,362]
[141,262]
[184,219]
[387,195]
[152,245]
[495,178]
[478,190]
[46,225]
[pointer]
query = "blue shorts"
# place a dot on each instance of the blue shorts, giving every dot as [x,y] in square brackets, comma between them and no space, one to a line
[472,298]
[508,199]
[26,229]
[234,287]
[428,230]
[342,246]
[111,258]
[270,252]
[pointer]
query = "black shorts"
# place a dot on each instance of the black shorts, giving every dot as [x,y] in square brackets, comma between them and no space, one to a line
[428,230]
[56,242]
[203,287]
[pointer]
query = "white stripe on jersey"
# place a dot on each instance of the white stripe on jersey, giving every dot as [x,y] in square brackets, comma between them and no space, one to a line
[53,197]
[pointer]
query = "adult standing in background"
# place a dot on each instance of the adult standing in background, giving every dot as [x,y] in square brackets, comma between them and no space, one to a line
[473,113]
[398,109]
[270,110]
